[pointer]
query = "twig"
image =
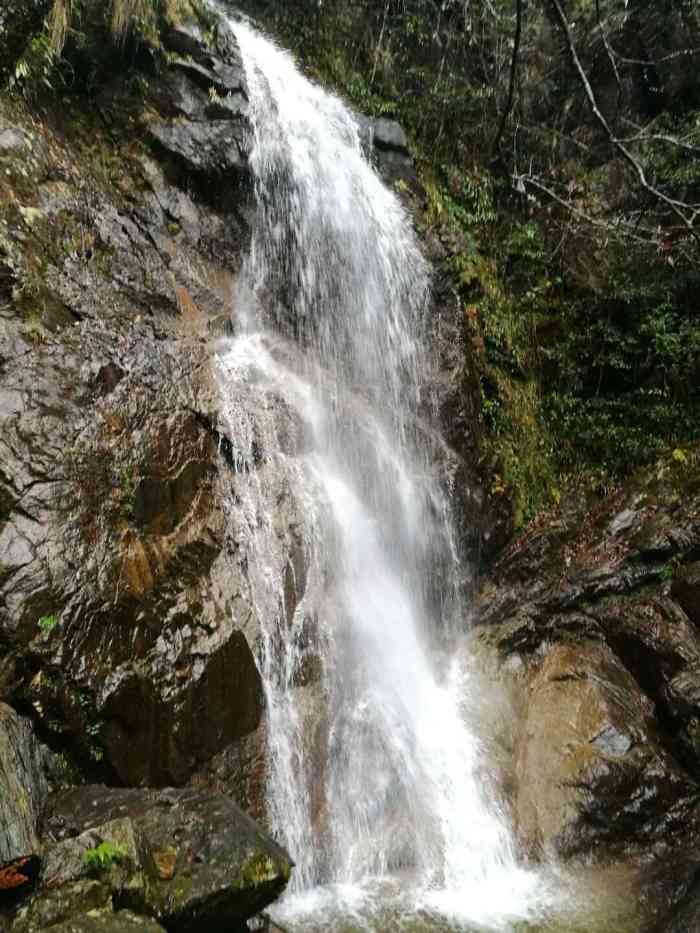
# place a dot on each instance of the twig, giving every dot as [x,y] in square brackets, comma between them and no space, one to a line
[619,228]
[657,137]
[379,44]
[658,61]
[675,206]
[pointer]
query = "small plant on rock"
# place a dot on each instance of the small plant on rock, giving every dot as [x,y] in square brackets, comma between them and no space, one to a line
[102,857]
[47,623]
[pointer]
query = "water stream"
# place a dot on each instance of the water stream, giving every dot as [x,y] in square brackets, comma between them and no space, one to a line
[374,782]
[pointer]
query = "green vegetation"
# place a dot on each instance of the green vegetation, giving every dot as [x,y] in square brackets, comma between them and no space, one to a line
[577,281]
[127,487]
[47,623]
[570,237]
[69,46]
[102,857]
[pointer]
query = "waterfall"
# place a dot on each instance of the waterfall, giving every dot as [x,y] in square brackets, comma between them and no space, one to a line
[373,772]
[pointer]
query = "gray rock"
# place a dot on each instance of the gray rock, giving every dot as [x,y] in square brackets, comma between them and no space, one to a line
[204,147]
[386,145]
[202,100]
[388,134]
[13,139]
[610,741]
[55,905]
[382,133]
[23,786]
[207,865]
[107,921]
[622,521]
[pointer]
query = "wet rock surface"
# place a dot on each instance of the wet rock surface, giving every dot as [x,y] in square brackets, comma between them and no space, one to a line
[590,774]
[24,786]
[592,613]
[204,97]
[123,600]
[121,859]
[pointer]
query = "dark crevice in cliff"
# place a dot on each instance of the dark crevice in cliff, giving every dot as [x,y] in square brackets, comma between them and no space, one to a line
[643,663]
[231,455]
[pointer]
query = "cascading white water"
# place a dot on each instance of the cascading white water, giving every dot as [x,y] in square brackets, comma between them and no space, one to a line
[330,313]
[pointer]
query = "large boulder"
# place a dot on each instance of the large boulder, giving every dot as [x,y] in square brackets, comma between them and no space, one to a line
[203,102]
[590,774]
[190,860]
[386,145]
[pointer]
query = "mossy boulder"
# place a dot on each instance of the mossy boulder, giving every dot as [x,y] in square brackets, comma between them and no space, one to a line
[52,906]
[198,863]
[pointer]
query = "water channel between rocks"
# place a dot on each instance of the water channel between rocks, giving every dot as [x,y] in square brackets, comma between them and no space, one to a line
[377,781]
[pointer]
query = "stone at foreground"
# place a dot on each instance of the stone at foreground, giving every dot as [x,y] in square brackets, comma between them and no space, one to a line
[122,921]
[23,786]
[205,865]
[52,906]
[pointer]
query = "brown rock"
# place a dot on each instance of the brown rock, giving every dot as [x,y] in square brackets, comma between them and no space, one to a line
[590,773]
[686,590]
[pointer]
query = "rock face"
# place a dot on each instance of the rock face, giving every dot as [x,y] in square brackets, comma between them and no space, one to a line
[590,772]
[23,786]
[593,614]
[205,92]
[126,611]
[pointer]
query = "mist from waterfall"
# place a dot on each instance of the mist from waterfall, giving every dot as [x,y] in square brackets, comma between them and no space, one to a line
[384,783]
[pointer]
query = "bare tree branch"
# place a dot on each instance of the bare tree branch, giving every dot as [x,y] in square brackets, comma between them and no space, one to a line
[676,206]
[620,228]
[379,44]
[656,137]
[656,61]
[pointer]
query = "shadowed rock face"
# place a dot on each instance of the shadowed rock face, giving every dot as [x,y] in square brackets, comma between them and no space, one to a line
[593,614]
[23,786]
[590,773]
[123,593]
